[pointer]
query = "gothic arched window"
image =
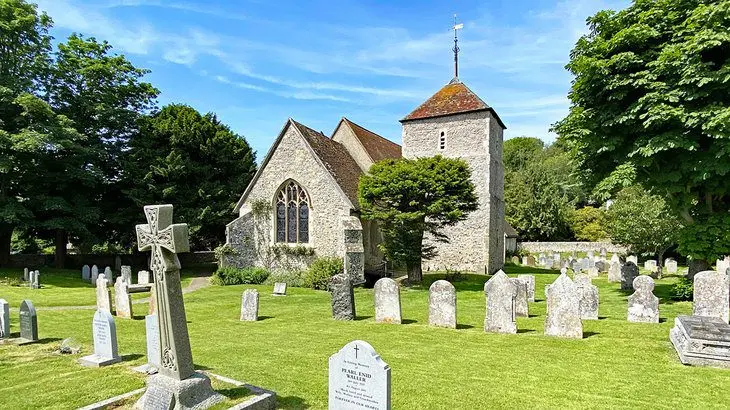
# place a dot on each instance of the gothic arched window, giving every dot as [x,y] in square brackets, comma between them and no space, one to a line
[292,214]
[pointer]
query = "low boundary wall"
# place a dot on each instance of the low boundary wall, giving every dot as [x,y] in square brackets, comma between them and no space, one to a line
[537,247]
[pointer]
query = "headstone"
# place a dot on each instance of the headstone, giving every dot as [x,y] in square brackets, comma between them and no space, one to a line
[358,379]
[354,261]
[525,260]
[592,272]
[250,305]
[4,319]
[122,299]
[711,295]
[109,274]
[177,385]
[602,266]
[152,328]
[521,305]
[643,305]
[650,265]
[671,266]
[501,293]
[722,264]
[614,272]
[103,295]
[127,274]
[515,260]
[387,301]
[442,304]
[588,297]
[153,300]
[633,258]
[343,297]
[86,273]
[603,251]
[280,289]
[28,323]
[628,273]
[701,341]
[143,277]
[563,309]
[584,264]
[542,261]
[556,256]
[590,255]
[26,275]
[105,341]
[530,281]
[615,258]
[94,275]
[36,280]
[530,261]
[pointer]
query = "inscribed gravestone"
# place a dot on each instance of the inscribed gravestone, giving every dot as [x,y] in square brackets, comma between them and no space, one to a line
[4,319]
[250,305]
[109,274]
[633,258]
[521,305]
[650,265]
[387,301]
[588,294]
[127,274]
[643,305]
[143,277]
[343,298]
[515,260]
[86,273]
[525,261]
[122,299]
[36,284]
[563,309]
[354,261]
[615,258]
[26,275]
[671,266]
[530,261]
[501,293]
[629,272]
[152,328]
[28,323]
[530,281]
[442,304]
[94,275]
[358,379]
[103,295]
[614,272]
[711,295]
[105,341]
[722,264]
[280,289]
[701,341]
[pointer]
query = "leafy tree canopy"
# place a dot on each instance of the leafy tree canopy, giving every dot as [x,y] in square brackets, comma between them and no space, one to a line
[589,224]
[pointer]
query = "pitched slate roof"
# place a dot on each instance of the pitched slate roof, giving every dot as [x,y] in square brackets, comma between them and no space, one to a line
[510,231]
[453,98]
[376,146]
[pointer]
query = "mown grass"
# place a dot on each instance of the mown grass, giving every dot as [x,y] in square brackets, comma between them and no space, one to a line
[617,364]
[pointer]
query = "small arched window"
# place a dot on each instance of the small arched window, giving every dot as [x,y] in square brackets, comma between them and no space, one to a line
[292,214]
[442,140]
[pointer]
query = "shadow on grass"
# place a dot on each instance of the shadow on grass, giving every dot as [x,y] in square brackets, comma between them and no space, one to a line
[130,357]
[463,326]
[586,335]
[47,340]
[408,321]
[260,318]
[526,331]
[199,367]
[291,402]
[357,318]
[235,393]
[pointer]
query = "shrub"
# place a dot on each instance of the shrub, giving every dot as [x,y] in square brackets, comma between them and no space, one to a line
[683,289]
[321,271]
[589,224]
[235,276]
[294,278]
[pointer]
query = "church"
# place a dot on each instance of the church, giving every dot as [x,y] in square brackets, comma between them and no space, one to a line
[302,203]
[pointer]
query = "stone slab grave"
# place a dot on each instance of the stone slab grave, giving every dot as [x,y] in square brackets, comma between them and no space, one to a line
[701,341]
[651,265]
[28,320]
[109,275]
[530,281]
[250,305]
[442,304]
[279,289]
[501,293]
[643,305]
[530,261]
[103,294]
[629,272]
[722,265]
[358,379]
[4,319]
[26,275]
[614,272]
[711,294]
[354,261]
[143,277]
[122,299]
[343,297]
[633,258]
[387,301]
[127,274]
[521,305]
[588,297]
[515,260]
[85,273]
[104,332]
[563,309]
[94,274]
[671,266]
[152,333]
[35,282]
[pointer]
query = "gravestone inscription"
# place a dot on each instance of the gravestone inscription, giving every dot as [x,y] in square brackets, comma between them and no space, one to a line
[343,297]
[521,305]
[442,304]
[358,379]
[387,301]
[711,295]
[28,321]
[104,332]
[280,289]
[530,281]
[588,294]
[563,309]
[4,319]
[501,293]
[250,305]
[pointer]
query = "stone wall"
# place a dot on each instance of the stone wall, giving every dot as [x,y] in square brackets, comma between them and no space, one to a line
[138,261]
[537,247]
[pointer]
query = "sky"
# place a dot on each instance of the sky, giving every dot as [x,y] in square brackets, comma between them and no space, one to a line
[256,63]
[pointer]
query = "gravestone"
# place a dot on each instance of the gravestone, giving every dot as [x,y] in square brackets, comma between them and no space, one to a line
[127,274]
[250,305]
[590,255]
[525,261]
[556,257]
[541,261]
[4,319]
[701,341]
[501,293]
[633,258]
[94,275]
[109,274]
[711,295]
[530,281]
[143,277]
[103,294]
[105,341]
[629,272]
[643,305]
[615,258]
[588,297]
[650,265]
[28,321]
[36,284]
[354,261]
[563,309]
[343,297]
[614,272]
[26,275]
[358,379]
[602,266]
[86,273]
[177,384]
[153,300]
[118,264]
[671,266]
[442,304]
[515,260]
[722,264]
[603,251]
[122,299]
[280,289]
[521,305]
[530,260]
[152,328]
[387,301]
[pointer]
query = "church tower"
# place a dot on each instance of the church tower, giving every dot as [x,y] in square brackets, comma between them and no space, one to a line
[456,123]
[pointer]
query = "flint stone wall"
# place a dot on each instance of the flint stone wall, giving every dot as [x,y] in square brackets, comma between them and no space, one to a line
[537,247]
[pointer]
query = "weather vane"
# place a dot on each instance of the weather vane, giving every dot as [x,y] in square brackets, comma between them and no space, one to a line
[456,47]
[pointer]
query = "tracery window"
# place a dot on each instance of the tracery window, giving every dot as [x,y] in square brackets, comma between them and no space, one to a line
[292,214]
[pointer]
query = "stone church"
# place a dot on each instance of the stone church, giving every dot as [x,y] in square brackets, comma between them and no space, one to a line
[302,202]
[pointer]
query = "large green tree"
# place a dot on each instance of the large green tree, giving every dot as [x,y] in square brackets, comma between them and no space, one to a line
[194,162]
[652,94]
[411,198]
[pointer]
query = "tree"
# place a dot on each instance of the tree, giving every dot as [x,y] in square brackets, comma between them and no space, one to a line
[413,197]
[193,161]
[589,224]
[24,45]
[642,222]
[651,93]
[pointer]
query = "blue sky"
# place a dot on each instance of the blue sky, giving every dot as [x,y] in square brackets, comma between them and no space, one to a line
[255,63]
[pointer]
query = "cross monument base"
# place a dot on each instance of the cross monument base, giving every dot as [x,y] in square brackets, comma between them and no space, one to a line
[193,393]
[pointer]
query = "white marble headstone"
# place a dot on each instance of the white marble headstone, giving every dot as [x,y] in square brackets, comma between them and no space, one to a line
[105,341]
[85,272]
[358,378]
[4,319]
[280,289]
[152,328]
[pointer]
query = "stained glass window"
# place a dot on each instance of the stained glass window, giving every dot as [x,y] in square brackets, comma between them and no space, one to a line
[292,214]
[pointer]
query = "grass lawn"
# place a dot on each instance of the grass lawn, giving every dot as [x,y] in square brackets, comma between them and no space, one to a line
[617,365]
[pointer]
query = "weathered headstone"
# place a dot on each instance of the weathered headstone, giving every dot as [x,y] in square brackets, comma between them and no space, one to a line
[530,281]
[103,294]
[104,331]
[530,261]
[615,258]
[643,305]
[143,277]
[671,266]
[650,265]
[94,275]
[354,261]
[442,304]
[501,293]
[343,297]
[603,251]
[711,295]
[152,327]
[109,274]
[602,266]
[36,284]
[358,379]
[628,273]
[515,260]
[118,264]
[588,297]
[563,309]
[633,258]
[28,321]
[279,289]
[723,264]
[4,319]
[525,261]
[387,301]
[521,305]
[86,273]
[590,255]
[127,274]
[26,275]
[701,341]
[614,272]
[122,299]
[556,256]
[250,305]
